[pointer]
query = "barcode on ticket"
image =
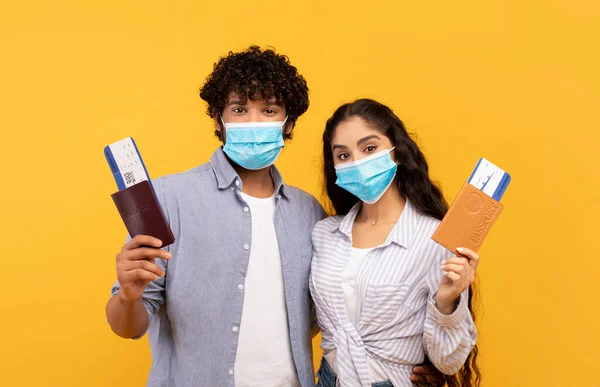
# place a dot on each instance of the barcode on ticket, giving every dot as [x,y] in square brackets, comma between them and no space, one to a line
[129,178]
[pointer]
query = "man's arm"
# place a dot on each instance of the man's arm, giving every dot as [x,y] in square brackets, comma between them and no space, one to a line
[140,274]
[127,319]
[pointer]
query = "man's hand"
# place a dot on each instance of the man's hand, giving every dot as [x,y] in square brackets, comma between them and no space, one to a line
[426,375]
[136,267]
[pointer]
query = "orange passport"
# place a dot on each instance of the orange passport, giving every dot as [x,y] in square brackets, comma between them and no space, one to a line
[468,220]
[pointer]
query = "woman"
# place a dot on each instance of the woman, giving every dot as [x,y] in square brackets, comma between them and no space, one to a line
[386,295]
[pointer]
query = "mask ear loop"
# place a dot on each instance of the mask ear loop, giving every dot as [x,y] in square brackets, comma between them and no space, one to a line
[397,162]
[283,127]
[283,123]
[222,129]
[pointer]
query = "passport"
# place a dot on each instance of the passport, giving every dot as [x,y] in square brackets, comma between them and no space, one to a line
[142,214]
[136,200]
[474,210]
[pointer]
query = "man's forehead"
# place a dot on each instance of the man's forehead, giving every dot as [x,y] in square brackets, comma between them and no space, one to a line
[235,99]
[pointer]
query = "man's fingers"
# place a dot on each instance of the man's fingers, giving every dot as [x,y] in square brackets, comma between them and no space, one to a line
[426,376]
[433,379]
[418,379]
[422,375]
[141,275]
[419,370]
[147,266]
[145,253]
[142,240]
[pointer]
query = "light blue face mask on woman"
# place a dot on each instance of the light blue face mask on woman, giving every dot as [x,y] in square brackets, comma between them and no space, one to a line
[367,178]
[253,145]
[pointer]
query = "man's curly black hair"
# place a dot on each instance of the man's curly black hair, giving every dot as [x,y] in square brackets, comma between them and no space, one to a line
[256,74]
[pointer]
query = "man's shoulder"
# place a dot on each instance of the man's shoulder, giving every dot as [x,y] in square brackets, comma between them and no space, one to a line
[298,194]
[197,174]
[305,203]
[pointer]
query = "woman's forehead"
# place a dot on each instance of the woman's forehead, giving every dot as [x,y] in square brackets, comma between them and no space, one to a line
[354,128]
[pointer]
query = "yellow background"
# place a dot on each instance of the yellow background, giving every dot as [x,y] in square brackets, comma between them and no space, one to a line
[514,81]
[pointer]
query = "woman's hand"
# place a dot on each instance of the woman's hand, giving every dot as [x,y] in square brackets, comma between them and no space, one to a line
[459,275]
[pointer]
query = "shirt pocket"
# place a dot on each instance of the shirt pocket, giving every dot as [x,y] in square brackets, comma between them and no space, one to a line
[383,302]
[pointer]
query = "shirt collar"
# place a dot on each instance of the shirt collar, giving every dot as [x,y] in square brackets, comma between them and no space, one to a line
[227,176]
[402,233]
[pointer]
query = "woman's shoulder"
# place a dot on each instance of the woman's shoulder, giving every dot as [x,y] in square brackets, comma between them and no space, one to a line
[325,228]
[326,234]
[330,223]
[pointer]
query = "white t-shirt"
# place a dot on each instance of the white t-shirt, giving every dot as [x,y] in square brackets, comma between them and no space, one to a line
[351,302]
[264,355]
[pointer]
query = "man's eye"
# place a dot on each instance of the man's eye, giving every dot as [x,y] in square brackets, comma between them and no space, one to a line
[238,110]
[270,111]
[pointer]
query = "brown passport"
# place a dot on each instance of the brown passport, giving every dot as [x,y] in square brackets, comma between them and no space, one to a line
[468,220]
[142,214]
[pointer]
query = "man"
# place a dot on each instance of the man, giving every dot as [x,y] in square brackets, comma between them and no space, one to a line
[228,303]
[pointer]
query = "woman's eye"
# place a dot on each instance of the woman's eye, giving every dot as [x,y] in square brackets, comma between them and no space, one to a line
[238,110]
[270,111]
[343,156]
[371,148]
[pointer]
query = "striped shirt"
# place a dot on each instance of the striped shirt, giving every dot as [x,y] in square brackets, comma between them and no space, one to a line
[396,283]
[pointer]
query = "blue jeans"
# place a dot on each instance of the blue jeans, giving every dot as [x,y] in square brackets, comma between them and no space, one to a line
[327,378]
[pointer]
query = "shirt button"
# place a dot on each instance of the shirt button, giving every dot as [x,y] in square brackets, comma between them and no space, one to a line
[241,287]
[246,209]
[246,247]
[278,196]
[235,328]
[230,372]
[233,188]
[237,182]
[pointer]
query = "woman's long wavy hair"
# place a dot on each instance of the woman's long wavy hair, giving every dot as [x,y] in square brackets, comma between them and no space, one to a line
[413,181]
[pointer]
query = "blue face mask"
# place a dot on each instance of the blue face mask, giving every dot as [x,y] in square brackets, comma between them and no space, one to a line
[367,178]
[253,145]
